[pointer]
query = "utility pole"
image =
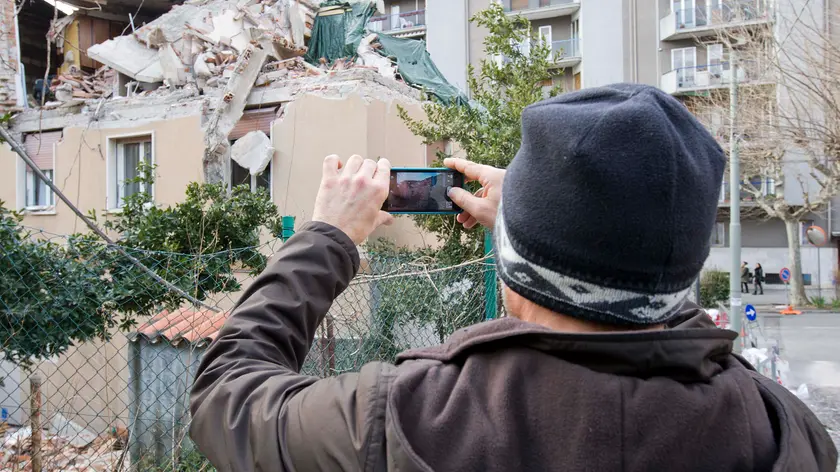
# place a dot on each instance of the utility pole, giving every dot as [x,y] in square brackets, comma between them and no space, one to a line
[735,311]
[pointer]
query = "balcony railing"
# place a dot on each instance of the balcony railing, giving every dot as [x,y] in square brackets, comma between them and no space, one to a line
[521,5]
[694,20]
[398,21]
[565,49]
[708,76]
[766,186]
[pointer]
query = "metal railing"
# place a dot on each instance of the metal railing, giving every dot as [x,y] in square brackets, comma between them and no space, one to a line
[398,21]
[717,15]
[709,76]
[565,49]
[518,5]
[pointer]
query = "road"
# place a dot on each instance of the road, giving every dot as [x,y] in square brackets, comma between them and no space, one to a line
[810,342]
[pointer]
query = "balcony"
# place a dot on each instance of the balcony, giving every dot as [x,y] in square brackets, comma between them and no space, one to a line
[566,53]
[541,9]
[703,21]
[410,24]
[766,186]
[685,80]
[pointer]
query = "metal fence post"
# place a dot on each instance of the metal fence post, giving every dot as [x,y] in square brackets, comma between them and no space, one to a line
[490,302]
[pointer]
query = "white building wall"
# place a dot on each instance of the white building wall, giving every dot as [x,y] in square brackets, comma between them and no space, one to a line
[602,28]
[446,38]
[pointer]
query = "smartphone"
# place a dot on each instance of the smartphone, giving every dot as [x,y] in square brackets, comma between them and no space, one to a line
[422,191]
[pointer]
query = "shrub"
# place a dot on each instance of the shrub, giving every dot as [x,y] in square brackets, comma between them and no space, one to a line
[819,302]
[714,287]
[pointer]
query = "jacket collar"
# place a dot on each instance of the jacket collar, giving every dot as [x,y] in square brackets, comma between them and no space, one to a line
[691,351]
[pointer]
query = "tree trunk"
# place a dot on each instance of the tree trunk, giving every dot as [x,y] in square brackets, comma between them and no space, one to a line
[796,289]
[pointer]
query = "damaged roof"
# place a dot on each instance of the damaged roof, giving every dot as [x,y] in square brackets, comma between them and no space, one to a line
[195,328]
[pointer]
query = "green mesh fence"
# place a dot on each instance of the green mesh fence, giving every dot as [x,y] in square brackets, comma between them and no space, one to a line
[100,359]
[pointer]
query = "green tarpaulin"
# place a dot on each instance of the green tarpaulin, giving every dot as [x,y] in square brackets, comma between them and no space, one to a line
[417,68]
[340,26]
[338,29]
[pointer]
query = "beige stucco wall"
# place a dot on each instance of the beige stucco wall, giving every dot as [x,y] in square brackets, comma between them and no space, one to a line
[315,127]
[89,383]
[80,168]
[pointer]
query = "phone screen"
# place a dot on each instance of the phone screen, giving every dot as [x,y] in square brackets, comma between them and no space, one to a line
[422,191]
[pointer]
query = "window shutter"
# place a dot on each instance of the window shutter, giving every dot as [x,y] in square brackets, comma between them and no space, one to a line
[40,147]
[253,120]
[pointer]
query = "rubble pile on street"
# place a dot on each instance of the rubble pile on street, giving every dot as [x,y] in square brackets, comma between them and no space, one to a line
[65,452]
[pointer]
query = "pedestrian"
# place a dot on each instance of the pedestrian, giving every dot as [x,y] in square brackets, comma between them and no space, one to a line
[601,364]
[758,279]
[745,278]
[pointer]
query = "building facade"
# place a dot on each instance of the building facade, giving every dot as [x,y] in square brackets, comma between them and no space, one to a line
[673,45]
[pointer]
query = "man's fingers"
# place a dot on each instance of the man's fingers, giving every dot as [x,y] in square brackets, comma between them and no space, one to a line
[331,166]
[469,169]
[353,165]
[463,217]
[471,222]
[383,172]
[384,218]
[464,199]
[368,168]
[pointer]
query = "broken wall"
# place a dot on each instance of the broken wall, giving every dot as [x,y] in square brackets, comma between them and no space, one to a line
[8,54]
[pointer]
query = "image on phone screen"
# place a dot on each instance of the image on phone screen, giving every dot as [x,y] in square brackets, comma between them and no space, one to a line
[422,191]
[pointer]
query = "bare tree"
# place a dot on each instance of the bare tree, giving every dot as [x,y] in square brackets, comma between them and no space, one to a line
[787,117]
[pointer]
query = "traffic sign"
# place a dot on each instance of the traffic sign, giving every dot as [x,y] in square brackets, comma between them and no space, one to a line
[751,313]
[785,275]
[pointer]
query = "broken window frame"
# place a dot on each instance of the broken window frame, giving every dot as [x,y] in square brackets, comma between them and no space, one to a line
[116,167]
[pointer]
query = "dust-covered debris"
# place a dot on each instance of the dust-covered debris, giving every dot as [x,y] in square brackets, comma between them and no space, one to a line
[60,451]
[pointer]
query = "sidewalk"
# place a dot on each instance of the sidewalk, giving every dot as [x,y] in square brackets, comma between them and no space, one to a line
[777,295]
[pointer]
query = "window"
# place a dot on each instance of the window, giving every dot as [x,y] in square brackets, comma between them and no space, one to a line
[719,235]
[241,176]
[684,61]
[37,196]
[545,36]
[125,156]
[252,120]
[684,10]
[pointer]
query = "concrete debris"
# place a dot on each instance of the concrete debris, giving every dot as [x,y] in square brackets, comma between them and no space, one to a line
[369,57]
[76,85]
[76,435]
[228,109]
[131,57]
[252,151]
[102,453]
[192,36]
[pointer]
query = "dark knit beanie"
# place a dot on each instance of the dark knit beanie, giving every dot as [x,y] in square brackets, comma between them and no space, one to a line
[608,207]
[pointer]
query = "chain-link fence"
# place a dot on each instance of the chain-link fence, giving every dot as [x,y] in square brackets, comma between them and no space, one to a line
[96,374]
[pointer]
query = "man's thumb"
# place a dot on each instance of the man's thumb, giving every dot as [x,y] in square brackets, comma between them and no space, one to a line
[464,199]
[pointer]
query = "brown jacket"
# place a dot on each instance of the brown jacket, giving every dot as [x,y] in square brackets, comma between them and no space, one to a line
[499,396]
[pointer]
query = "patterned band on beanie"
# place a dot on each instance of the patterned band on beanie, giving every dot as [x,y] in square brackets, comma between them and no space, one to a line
[580,299]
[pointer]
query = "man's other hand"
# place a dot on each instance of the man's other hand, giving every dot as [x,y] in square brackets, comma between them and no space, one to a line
[481,207]
[351,196]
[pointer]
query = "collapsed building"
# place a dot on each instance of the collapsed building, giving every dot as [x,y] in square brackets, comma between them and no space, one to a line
[243,92]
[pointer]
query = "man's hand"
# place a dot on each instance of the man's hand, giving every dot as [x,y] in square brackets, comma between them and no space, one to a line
[482,207]
[351,196]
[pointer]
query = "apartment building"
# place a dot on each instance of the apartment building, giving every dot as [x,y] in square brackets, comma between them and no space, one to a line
[673,45]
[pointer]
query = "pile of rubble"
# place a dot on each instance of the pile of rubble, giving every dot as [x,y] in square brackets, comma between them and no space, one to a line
[78,85]
[65,452]
[201,41]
